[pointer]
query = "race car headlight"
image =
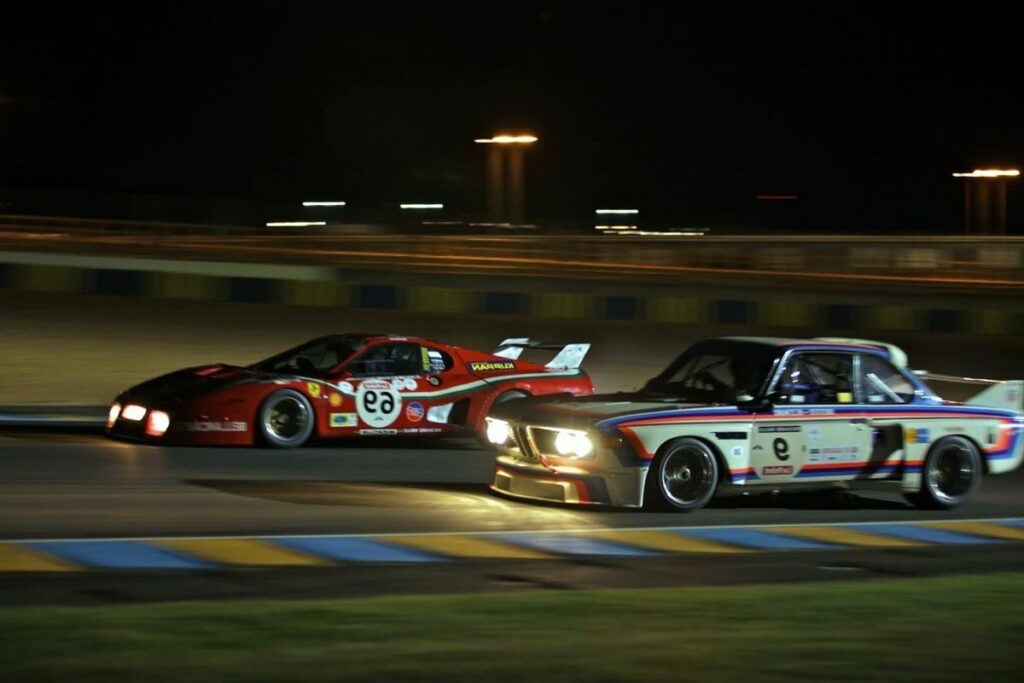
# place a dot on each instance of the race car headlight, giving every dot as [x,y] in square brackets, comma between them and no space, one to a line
[157,423]
[115,412]
[576,444]
[498,431]
[133,413]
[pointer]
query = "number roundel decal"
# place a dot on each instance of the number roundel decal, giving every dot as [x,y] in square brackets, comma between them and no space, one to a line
[378,403]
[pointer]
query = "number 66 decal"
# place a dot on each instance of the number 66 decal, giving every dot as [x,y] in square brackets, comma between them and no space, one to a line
[378,403]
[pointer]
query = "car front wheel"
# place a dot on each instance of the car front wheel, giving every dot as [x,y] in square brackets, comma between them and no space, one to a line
[286,419]
[684,476]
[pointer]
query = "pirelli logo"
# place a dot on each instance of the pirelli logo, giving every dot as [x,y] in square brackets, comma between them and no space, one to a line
[488,366]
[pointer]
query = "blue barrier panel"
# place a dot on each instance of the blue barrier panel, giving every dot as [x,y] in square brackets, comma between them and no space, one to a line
[250,290]
[620,308]
[503,303]
[377,296]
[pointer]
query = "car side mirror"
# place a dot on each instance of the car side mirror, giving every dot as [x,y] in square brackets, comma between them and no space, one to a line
[755,405]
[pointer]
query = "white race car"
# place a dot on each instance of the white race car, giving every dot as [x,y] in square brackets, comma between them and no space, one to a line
[736,414]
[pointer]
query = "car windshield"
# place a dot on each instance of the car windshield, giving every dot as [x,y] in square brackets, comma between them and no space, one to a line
[719,371]
[315,358]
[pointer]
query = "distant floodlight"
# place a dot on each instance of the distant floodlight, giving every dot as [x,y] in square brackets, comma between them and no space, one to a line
[507,140]
[614,227]
[295,224]
[323,203]
[989,173]
[422,206]
[617,211]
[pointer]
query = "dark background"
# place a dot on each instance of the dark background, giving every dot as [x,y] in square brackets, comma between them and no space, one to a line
[861,109]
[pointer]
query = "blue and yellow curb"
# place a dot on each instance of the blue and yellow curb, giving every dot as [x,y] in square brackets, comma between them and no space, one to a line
[215,553]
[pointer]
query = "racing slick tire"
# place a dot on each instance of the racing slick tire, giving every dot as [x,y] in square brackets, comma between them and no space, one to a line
[481,431]
[950,475]
[286,419]
[684,476]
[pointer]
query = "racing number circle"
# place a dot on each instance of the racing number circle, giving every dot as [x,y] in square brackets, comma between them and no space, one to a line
[378,403]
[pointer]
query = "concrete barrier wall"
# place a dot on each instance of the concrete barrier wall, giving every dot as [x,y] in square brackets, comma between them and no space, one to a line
[547,298]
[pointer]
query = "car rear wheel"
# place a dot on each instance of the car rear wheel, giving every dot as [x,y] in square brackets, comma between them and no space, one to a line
[286,419]
[684,476]
[950,475]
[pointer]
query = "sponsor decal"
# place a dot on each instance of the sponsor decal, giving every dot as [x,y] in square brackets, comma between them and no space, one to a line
[804,411]
[777,469]
[225,426]
[814,444]
[378,432]
[343,420]
[839,453]
[738,452]
[1012,395]
[414,411]
[918,435]
[783,429]
[730,436]
[314,389]
[491,366]
[953,430]
[378,403]
[434,381]
[335,400]
[347,388]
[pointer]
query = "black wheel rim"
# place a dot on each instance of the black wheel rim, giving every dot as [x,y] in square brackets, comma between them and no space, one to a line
[951,473]
[286,418]
[687,475]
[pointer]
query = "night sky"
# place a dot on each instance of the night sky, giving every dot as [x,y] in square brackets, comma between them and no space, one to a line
[861,109]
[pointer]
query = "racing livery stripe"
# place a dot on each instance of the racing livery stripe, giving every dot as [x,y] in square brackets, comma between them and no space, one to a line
[835,412]
[451,391]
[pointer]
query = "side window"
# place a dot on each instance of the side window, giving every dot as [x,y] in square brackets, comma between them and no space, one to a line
[881,382]
[815,378]
[401,358]
[438,361]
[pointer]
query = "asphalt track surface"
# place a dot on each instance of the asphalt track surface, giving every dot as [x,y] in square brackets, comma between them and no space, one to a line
[81,485]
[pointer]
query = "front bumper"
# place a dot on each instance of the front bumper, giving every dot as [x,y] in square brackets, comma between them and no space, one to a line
[568,485]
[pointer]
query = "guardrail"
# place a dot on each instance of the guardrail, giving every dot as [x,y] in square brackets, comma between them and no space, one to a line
[943,261]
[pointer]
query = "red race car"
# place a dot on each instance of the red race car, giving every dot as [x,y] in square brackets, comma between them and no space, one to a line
[342,385]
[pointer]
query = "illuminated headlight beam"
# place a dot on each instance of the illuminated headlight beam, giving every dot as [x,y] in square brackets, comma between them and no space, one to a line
[617,211]
[295,224]
[421,206]
[323,203]
[498,431]
[573,443]
[133,412]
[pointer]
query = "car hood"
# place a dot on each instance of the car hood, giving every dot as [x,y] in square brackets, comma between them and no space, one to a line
[183,385]
[584,412]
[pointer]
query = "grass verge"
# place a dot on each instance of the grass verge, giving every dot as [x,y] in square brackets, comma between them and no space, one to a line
[956,628]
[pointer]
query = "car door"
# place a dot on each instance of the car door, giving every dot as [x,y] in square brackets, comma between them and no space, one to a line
[814,429]
[380,383]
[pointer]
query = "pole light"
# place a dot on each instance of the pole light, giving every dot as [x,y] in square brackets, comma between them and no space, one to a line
[985,199]
[506,151]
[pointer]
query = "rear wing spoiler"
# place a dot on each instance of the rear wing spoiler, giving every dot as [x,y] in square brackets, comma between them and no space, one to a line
[988,393]
[569,356]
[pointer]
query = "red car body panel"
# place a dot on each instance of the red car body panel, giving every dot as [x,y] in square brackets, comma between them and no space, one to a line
[450,393]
